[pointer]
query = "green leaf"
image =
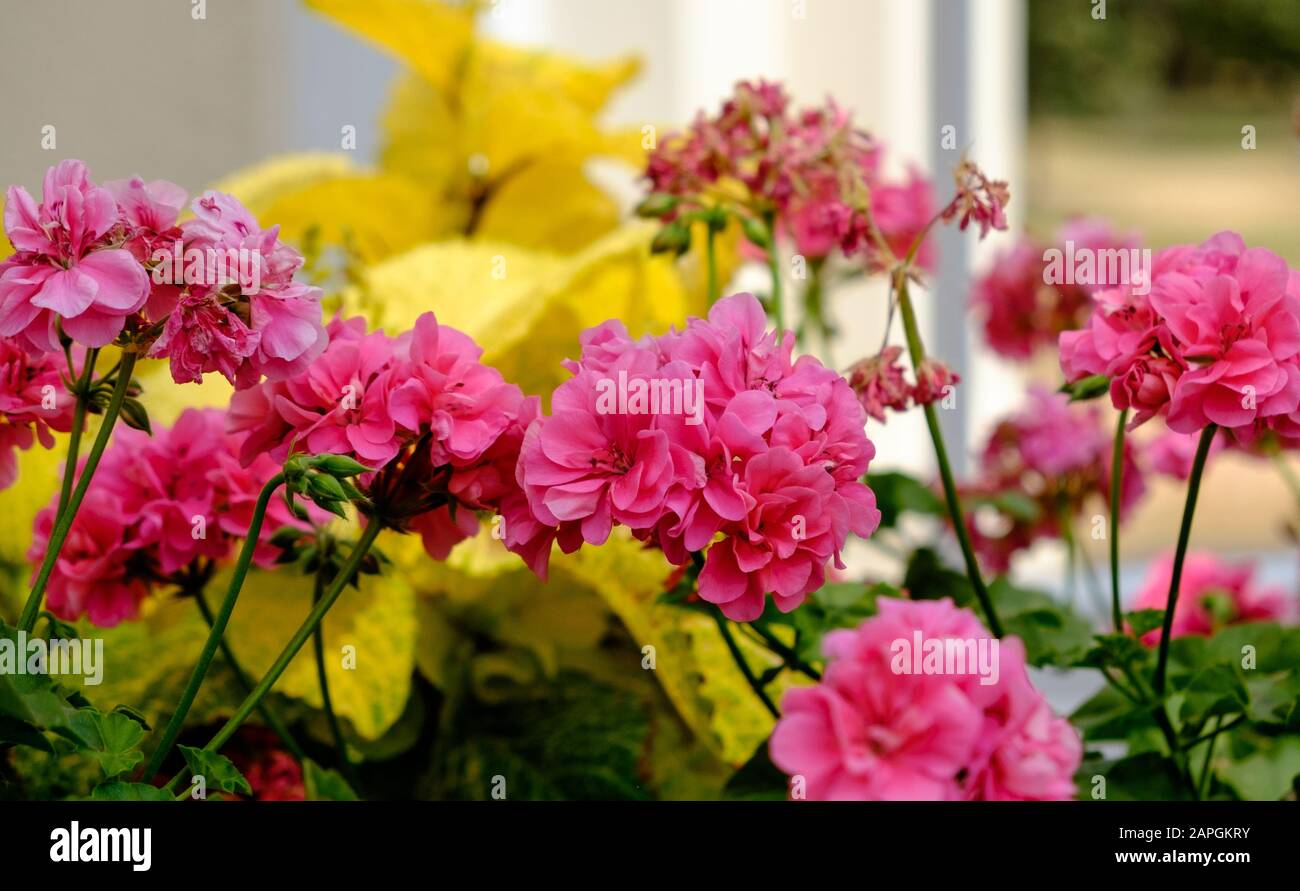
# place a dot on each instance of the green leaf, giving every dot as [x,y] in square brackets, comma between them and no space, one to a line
[119,791]
[1053,633]
[20,733]
[1149,776]
[115,740]
[758,779]
[656,204]
[1109,715]
[833,606]
[1143,621]
[216,769]
[1268,773]
[898,493]
[1213,692]
[755,231]
[325,785]
[1087,388]
[926,578]
[583,740]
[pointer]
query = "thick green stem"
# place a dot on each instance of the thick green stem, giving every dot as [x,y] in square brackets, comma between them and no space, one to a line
[78,425]
[336,729]
[1175,579]
[748,672]
[1116,486]
[305,630]
[222,617]
[27,619]
[269,715]
[774,266]
[917,352]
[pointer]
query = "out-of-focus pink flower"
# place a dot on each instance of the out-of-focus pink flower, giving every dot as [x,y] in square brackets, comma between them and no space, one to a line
[977,199]
[272,772]
[933,378]
[33,401]
[875,730]
[1173,454]
[880,384]
[1054,454]
[1212,594]
[173,502]
[66,269]
[767,451]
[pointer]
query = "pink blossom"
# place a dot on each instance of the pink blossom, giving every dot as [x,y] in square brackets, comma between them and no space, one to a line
[66,270]
[772,459]
[871,731]
[1212,594]
[1173,454]
[933,381]
[880,384]
[33,401]
[977,198]
[165,507]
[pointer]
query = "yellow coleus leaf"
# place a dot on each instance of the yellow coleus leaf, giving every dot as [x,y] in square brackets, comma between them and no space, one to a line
[548,205]
[429,36]
[375,625]
[692,662]
[526,308]
[328,198]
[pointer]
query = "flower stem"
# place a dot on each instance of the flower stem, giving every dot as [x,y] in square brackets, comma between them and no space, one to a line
[63,524]
[748,672]
[336,730]
[711,255]
[78,425]
[218,629]
[1116,484]
[788,655]
[269,715]
[917,352]
[305,630]
[774,266]
[1184,533]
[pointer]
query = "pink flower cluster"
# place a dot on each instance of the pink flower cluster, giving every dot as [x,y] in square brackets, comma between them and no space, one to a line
[441,429]
[1212,594]
[1022,309]
[1217,340]
[813,168]
[33,401]
[870,730]
[213,294]
[1055,456]
[160,506]
[880,383]
[772,460]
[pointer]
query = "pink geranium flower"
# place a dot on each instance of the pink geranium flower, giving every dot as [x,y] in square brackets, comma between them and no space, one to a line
[770,456]
[1212,594]
[66,269]
[33,401]
[166,508]
[870,731]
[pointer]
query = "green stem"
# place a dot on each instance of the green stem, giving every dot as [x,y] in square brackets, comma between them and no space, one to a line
[1287,474]
[748,672]
[27,619]
[1184,534]
[1116,483]
[222,617]
[269,715]
[336,730]
[774,266]
[917,352]
[78,425]
[295,644]
[789,656]
[710,252]
[1203,785]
